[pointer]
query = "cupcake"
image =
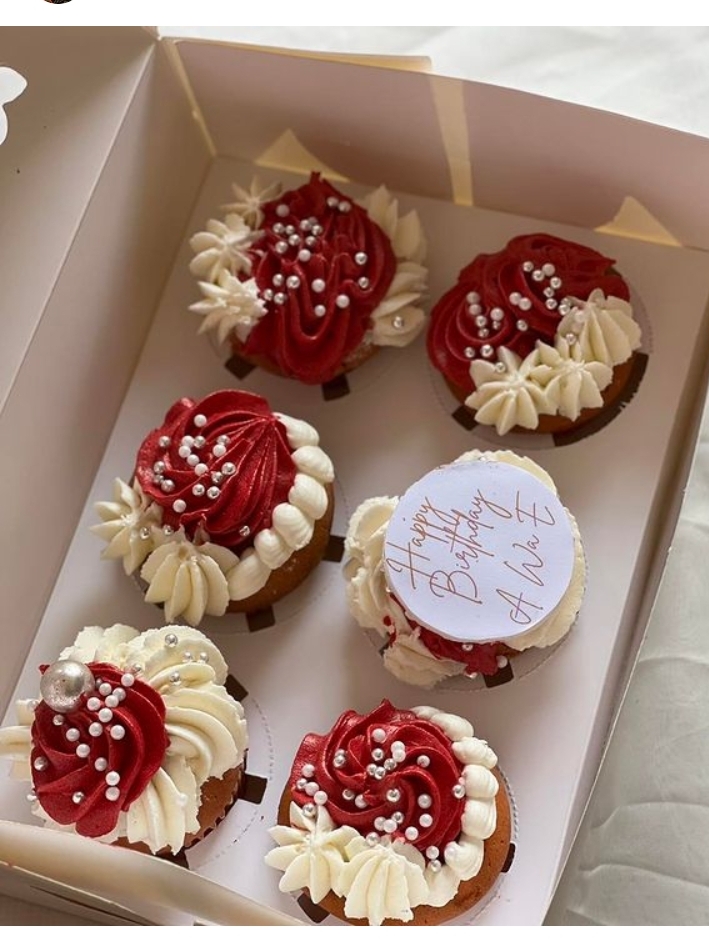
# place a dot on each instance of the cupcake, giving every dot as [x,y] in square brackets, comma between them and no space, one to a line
[134,739]
[308,283]
[228,510]
[393,817]
[477,562]
[538,337]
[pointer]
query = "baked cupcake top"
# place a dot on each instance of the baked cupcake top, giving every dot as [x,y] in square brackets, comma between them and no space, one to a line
[389,810]
[305,278]
[477,561]
[223,492]
[128,728]
[534,329]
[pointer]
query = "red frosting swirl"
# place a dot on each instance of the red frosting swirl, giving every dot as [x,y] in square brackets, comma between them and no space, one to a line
[478,657]
[374,765]
[79,788]
[527,267]
[316,237]
[220,465]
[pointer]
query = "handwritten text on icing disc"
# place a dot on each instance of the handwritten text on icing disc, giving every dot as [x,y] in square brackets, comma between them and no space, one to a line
[479,551]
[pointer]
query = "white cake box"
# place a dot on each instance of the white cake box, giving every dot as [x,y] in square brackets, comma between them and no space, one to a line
[120,147]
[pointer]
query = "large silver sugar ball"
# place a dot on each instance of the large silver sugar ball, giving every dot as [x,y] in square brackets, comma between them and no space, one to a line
[63,684]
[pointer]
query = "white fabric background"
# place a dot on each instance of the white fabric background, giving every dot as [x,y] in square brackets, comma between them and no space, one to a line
[642,855]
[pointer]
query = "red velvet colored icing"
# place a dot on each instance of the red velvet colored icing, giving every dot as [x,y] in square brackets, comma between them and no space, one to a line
[257,448]
[136,757]
[480,659]
[495,277]
[299,343]
[353,734]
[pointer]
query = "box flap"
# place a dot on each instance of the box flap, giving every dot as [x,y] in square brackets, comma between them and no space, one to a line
[598,159]
[61,130]
[373,125]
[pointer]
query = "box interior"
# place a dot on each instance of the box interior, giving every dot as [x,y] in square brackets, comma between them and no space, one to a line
[620,477]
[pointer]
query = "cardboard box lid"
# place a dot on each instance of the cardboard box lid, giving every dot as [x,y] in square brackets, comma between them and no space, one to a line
[61,130]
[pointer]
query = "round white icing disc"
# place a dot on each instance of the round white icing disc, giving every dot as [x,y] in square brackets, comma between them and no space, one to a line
[479,551]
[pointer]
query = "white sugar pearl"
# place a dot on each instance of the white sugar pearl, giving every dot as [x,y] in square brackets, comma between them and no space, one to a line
[83,750]
[100,764]
[411,833]
[432,852]
[95,730]
[425,801]
[192,459]
[320,797]
[200,420]
[311,788]
[473,297]
[548,269]
[93,704]
[425,821]
[342,301]
[200,469]
[304,255]
[112,701]
[127,679]
[72,735]
[120,694]
[525,303]
[113,778]
[282,210]
[318,285]
[105,715]
[308,770]
[118,732]
[423,761]
[179,505]
[184,452]
[379,822]
[112,794]
[379,735]
[320,310]
[390,826]
[104,688]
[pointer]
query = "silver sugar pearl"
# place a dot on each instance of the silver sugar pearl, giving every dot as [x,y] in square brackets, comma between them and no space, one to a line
[281,247]
[570,338]
[171,640]
[459,791]
[289,229]
[62,685]
[203,657]
[487,352]
[294,240]
[434,866]
[555,282]
[522,326]
[425,801]
[168,530]
[538,275]
[393,795]
[317,229]
[244,531]
[398,322]
[198,489]
[268,294]
[187,657]
[551,304]
[473,297]
[174,678]
[423,761]
[348,795]
[360,258]
[167,485]
[371,769]
[228,469]
[311,241]
[483,333]
[216,476]
[144,534]
[525,304]
[279,299]
[301,784]
[481,321]
[548,270]
[469,352]
[528,267]
[497,314]
[500,367]
[363,283]
[548,291]
[278,280]
[159,467]
[339,760]
[309,810]
[361,802]
[372,838]
[213,492]
[377,753]
[77,798]
[380,773]
[278,228]
[164,441]
[389,765]
[40,763]
[398,817]
[305,225]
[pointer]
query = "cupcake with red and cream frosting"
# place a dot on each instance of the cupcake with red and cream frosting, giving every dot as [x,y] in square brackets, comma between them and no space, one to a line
[538,337]
[229,507]
[396,816]
[134,738]
[477,562]
[309,283]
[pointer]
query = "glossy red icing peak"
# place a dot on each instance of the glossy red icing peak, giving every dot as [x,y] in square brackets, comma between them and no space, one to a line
[512,299]
[374,765]
[87,766]
[322,266]
[218,466]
